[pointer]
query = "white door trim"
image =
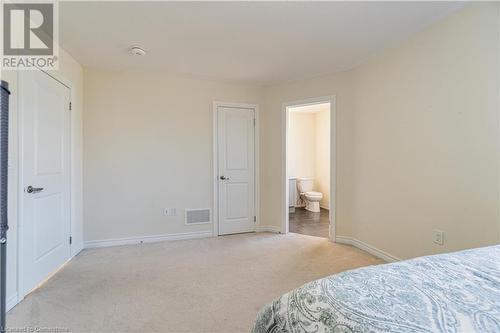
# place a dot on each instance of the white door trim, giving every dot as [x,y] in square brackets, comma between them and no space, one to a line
[333,159]
[215,163]
[74,248]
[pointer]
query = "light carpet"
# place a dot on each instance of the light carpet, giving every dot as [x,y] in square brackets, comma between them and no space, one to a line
[203,285]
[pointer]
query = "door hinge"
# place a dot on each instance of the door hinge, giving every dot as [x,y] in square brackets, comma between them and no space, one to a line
[70,240]
[70,106]
[254,122]
[255,218]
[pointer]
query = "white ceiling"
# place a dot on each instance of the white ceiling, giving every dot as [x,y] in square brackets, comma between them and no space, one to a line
[254,42]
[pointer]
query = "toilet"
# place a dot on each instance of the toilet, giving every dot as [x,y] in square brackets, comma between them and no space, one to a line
[311,198]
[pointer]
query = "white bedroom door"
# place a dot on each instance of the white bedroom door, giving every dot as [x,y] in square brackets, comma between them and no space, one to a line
[45,192]
[236,164]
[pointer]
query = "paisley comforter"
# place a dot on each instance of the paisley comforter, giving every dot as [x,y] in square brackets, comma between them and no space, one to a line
[455,292]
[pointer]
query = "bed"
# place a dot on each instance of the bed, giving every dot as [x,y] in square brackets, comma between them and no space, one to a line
[454,292]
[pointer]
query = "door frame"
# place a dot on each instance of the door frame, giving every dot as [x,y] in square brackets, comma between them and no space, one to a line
[215,161]
[333,160]
[74,249]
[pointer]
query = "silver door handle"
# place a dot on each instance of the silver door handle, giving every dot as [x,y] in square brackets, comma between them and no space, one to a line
[31,189]
[224,178]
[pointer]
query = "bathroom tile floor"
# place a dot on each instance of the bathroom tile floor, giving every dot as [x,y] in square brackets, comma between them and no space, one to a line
[308,223]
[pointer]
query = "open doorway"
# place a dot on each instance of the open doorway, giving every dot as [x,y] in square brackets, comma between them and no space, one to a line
[309,167]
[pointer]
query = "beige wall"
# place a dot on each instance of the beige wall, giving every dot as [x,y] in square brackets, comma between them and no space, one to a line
[426,147]
[71,73]
[148,146]
[417,139]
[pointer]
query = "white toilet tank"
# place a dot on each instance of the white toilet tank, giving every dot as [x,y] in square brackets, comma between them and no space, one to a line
[305,184]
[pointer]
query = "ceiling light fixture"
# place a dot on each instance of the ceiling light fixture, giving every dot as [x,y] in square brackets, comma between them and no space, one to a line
[138,51]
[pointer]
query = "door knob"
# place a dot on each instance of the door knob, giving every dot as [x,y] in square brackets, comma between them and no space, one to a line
[31,189]
[224,178]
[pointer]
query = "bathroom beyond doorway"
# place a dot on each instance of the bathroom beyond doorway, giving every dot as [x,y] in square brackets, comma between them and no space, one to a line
[308,156]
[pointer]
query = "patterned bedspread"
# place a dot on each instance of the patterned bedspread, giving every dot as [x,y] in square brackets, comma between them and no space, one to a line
[455,292]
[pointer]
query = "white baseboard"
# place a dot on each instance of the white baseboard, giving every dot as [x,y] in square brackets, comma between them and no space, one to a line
[11,302]
[268,228]
[367,247]
[146,239]
[77,249]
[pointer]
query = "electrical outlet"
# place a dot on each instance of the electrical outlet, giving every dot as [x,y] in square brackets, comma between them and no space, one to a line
[169,212]
[438,237]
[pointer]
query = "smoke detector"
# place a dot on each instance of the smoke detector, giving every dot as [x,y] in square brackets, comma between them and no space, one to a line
[138,51]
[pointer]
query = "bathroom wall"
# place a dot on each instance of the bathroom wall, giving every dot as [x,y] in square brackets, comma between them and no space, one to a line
[322,160]
[301,144]
[309,146]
